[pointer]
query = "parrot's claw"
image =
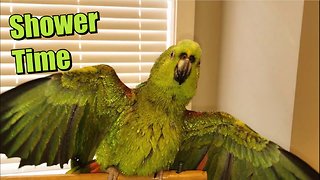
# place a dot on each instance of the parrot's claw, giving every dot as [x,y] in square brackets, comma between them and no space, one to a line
[113,173]
[158,175]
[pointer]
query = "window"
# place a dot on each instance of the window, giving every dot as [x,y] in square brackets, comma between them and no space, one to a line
[131,35]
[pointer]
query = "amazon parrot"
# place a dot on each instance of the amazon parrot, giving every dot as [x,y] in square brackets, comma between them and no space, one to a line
[89,112]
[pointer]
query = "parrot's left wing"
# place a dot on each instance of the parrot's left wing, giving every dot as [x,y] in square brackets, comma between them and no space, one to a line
[63,116]
[228,149]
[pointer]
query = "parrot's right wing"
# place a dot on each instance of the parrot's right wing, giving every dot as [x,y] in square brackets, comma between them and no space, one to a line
[62,116]
[228,149]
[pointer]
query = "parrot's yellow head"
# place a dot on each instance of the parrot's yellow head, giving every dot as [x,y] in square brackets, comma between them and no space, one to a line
[177,69]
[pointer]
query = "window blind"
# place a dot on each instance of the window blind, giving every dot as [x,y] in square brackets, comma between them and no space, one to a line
[131,35]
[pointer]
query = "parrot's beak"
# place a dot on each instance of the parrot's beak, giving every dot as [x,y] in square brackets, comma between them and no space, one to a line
[182,70]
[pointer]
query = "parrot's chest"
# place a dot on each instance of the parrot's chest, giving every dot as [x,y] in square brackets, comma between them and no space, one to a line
[147,144]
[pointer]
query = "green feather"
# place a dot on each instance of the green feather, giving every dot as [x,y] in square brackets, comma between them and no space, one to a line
[89,111]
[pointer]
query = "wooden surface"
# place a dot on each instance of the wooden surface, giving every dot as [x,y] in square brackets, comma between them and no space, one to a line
[167,175]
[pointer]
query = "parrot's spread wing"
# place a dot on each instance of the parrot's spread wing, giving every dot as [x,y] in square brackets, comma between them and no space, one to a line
[62,116]
[228,149]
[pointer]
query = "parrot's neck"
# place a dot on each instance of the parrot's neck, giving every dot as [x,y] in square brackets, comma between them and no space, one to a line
[162,97]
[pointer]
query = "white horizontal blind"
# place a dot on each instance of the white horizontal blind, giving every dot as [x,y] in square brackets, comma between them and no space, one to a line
[131,35]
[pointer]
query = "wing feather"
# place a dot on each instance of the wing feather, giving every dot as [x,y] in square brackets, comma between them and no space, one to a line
[235,151]
[62,116]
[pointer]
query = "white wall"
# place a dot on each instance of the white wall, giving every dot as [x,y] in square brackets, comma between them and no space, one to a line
[258,64]
[207,33]
[184,19]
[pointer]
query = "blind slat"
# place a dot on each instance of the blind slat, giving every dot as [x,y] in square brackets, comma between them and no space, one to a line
[84,45]
[122,23]
[101,57]
[71,2]
[122,36]
[123,3]
[10,80]
[4,9]
[105,11]
[9,69]
[145,36]
[117,23]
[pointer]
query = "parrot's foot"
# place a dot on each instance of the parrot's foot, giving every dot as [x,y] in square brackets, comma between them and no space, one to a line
[158,175]
[113,173]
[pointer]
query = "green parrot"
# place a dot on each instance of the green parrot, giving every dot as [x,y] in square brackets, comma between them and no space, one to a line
[89,112]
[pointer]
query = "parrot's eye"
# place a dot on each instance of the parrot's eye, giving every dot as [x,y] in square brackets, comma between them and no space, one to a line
[172,54]
[192,59]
